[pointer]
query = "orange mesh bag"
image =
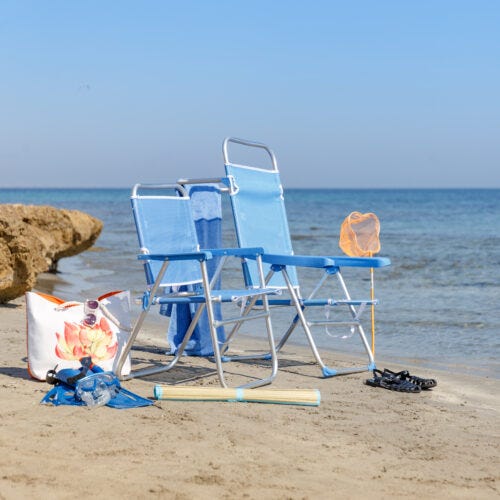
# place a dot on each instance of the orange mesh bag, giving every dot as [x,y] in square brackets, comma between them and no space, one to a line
[359,235]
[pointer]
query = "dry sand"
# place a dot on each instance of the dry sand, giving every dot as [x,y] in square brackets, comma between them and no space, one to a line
[361,442]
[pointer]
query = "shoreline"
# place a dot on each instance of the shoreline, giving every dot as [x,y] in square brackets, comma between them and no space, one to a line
[57,283]
[441,442]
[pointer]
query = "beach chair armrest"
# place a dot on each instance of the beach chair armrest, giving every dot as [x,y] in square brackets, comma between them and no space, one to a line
[200,256]
[345,261]
[297,260]
[250,253]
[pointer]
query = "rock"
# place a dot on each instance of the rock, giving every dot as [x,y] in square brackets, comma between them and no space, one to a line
[32,240]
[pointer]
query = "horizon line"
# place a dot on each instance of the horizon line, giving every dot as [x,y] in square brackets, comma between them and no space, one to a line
[318,188]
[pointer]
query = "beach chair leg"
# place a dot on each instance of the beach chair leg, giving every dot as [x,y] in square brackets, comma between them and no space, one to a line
[217,349]
[180,351]
[326,371]
[140,320]
[359,327]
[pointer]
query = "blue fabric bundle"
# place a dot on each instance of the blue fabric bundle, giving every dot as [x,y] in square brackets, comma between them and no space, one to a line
[207,214]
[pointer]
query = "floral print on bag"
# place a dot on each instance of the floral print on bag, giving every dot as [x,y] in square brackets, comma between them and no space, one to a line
[81,340]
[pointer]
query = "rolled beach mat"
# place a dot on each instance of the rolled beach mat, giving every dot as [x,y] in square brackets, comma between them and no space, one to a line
[305,397]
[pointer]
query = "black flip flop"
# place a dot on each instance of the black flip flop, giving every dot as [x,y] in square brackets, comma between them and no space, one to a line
[423,383]
[392,383]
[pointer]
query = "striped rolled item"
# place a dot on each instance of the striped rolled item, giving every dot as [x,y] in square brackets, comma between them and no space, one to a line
[305,397]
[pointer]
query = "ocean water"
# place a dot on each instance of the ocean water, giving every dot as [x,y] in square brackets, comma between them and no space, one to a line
[439,300]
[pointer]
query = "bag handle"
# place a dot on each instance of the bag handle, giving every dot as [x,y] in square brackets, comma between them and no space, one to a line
[113,318]
[67,305]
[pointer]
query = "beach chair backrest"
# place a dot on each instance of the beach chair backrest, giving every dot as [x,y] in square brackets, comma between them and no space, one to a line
[259,212]
[164,224]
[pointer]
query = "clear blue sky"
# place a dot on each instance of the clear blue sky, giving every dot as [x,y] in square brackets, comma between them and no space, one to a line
[348,94]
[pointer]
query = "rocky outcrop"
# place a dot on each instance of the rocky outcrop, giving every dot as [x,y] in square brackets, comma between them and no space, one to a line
[32,240]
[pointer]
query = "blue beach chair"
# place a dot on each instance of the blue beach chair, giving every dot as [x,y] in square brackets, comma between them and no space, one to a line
[173,259]
[259,213]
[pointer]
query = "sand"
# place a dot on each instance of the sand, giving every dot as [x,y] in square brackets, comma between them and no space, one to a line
[361,442]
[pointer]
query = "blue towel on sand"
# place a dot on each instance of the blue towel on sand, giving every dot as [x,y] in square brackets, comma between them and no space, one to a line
[207,214]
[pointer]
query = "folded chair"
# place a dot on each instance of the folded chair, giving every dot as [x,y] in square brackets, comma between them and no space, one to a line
[173,259]
[257,201]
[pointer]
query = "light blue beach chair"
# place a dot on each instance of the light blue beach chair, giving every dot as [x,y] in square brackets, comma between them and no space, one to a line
[173,259]
[260,218]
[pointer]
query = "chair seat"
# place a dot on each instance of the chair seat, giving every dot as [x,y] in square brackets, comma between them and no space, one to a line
[321,302]
[217,296]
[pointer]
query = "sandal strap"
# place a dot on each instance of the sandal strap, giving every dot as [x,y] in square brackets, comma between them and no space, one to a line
[399,385]
[425,383]
[422,382]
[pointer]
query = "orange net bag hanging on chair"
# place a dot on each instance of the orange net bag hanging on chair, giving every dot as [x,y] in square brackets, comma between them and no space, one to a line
[359,237]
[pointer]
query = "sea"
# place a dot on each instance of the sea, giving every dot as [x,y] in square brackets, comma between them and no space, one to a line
[439,301]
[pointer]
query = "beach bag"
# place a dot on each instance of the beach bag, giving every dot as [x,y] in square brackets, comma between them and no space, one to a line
[60,333]
[359,235]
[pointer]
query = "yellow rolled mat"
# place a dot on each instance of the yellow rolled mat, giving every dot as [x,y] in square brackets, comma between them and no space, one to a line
[307,397]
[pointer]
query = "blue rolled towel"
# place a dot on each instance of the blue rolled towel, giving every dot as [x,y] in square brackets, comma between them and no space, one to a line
[207,215]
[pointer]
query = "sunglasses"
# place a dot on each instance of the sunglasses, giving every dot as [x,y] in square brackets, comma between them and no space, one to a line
[90,308]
